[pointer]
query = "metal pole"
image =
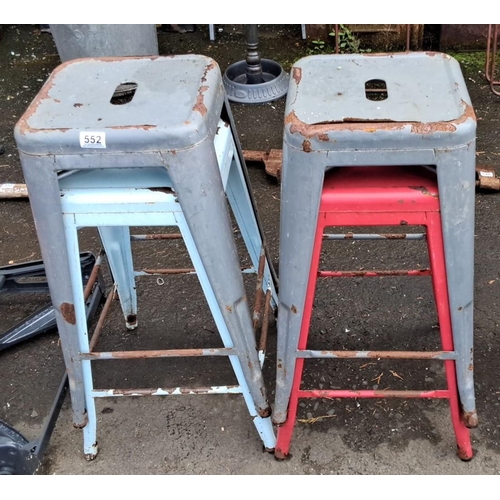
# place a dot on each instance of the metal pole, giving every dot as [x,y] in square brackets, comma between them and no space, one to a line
[254,67]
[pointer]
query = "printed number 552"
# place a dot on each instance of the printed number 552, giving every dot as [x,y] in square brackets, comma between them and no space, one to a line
[92,139]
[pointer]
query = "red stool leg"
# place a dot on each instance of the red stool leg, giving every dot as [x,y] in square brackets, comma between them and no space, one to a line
[437,260]
[285,431]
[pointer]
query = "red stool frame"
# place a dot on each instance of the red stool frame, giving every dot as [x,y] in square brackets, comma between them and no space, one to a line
[381,196]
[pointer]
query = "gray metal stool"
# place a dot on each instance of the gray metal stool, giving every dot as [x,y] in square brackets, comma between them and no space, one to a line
[376,110]
[119,142]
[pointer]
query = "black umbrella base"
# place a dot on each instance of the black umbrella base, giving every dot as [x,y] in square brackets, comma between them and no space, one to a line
[273,86]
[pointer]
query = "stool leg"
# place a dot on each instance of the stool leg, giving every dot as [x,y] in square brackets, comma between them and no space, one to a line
[48,219]
[462,433]
[285,431]
[264,426]
[301,186]
[90,448]
[238,195]
[116,243]
[227,116]
[197,182]
[456,180]
[437,261]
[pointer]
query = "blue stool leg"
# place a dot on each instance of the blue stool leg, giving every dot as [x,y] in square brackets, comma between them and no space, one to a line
[90,448]
[456,179]
[203,202]
[227,115]
[263,425]
[116,242]
[238,196]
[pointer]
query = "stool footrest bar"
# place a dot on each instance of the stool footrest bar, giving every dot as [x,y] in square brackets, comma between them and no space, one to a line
[265,323]
[435,355]
[161,272]
[167,353]
[174,391]
[146,237]
[256,316]
[394,236]
[332,394]
[369,274]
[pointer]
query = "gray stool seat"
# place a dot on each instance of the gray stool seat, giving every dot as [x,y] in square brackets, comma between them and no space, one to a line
[169,110]
[426,100]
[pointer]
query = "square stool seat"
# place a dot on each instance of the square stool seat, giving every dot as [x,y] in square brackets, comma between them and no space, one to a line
[176,104]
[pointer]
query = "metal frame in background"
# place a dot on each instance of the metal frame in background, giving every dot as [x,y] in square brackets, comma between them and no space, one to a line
[337,38]
[211,32]
[491,52]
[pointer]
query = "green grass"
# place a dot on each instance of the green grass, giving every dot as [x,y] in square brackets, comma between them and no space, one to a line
[471,62]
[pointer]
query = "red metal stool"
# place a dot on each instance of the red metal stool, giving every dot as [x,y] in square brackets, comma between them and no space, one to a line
[381,196]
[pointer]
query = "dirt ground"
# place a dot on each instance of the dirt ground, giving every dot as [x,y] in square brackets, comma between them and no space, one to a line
[214,434]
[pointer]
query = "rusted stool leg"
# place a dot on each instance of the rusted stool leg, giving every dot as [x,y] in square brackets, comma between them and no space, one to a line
[203,201]
[285,431]
[300,197]
[116,242]
[438,266]
[48,219]
[456,180]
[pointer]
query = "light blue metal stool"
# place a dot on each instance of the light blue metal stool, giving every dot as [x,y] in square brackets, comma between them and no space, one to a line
[163,154]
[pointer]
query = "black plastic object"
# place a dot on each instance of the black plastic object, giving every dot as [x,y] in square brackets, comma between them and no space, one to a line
[30,278]
[255,80]
[18,456]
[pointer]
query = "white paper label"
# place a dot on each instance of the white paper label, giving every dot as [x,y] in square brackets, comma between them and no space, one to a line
[486,174]
[92,139]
